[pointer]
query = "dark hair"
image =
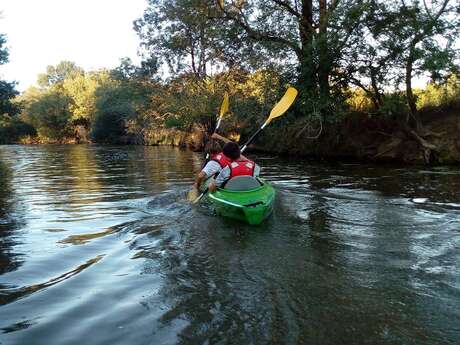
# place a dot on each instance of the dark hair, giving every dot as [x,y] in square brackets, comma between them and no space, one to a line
[232,150]
[213,147]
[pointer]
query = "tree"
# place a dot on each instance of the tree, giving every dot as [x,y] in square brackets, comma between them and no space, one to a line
[3,50]
[313,34]
[81,88]
[7,89]
[404,39]
[420,46]
[113,108]
[127,70]
[11,127]
[48,112]
[55,75]
[188,36]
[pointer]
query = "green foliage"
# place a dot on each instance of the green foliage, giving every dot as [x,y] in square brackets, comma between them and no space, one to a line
[120,105]
[48,112]
[57,74]
[177,31]
[101,101]
[113,107]
[81,88]
[7,94]
[3,51]
[441,95]
[13,128]
[186,103]
[127,71]
[7,89]
[174,122]
[358,100]
[395,105]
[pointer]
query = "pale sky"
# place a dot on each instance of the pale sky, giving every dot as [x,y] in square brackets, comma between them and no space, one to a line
[91,33]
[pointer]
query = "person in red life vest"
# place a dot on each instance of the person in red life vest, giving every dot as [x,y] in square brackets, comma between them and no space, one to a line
[236,165]
[218,160]
[211,168]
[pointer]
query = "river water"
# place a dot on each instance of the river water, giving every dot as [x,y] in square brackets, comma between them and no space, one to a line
[98,245]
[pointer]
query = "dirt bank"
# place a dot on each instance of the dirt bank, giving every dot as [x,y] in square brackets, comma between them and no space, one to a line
[358,137]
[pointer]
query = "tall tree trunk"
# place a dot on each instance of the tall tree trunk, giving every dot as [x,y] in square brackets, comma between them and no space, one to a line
[416,120]
[377,96]
[307,68]
[324,63]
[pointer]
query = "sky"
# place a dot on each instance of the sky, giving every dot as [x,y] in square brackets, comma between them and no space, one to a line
[92,33]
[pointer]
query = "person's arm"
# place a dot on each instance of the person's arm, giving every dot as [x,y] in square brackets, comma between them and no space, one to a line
[220,137]
[211,168]
[212,187]
[199,179]
[223,176]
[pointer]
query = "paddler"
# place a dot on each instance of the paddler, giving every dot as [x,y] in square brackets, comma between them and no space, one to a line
[233,164]
[212,167]
[220,159]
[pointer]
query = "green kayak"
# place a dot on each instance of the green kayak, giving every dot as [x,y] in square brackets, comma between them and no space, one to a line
[244,198]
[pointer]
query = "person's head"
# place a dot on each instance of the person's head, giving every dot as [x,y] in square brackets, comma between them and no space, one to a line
[232,150]
[213,147]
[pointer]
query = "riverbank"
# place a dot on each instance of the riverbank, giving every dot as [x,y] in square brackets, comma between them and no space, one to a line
[357,137]
[378,140]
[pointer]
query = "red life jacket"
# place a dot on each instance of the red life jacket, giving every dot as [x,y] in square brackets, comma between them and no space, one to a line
[237,168]
[242,168]
[222,159]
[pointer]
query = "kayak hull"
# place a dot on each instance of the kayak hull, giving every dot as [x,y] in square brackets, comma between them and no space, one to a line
[250,206]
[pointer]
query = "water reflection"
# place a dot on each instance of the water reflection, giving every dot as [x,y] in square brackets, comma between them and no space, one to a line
[100,243]
[10,222]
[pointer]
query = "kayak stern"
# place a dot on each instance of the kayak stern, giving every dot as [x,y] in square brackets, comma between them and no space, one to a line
[251,206]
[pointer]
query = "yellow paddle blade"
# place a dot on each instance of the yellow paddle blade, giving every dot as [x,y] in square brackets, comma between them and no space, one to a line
[224,106]
[193,194]
[283,105]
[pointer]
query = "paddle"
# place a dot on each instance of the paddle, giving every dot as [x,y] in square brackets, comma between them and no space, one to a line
[279,109]
[223,110]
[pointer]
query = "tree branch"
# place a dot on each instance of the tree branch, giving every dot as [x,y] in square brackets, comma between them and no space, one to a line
[288,7]
[257,35]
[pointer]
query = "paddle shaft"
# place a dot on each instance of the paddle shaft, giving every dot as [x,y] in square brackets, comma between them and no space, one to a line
[251,139]
[215,130]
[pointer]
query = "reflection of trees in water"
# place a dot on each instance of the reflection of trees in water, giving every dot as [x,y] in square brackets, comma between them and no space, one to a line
[167,165]
[10,222]
[71,169]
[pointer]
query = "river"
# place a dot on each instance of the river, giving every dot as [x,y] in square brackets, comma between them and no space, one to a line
[98,245]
